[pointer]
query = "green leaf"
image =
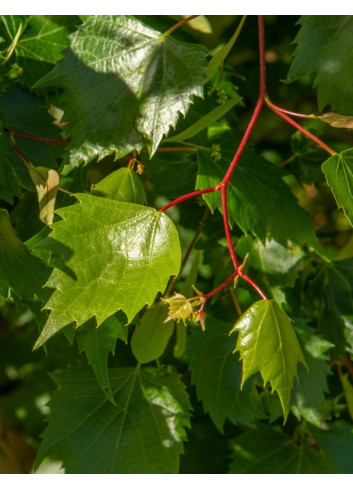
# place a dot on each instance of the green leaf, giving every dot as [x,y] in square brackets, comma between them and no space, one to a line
[98,343]
[42,39]
[216,373]
[308,395]
[152,334]
[9,184]
[333,287]
[25,113]
[324,52]
[222,53]
[267,450]
[124,85]
[257,197]
[338,170]
[143,433]
[268,344]
[19,269]
[123,185]
[123,255]
[348,393]
[205,121]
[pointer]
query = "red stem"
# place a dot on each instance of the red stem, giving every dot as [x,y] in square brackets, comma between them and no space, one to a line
[220,287]
[188,196]
[253,284]
[35,138]
[281,113]
[227,228]
[179,24]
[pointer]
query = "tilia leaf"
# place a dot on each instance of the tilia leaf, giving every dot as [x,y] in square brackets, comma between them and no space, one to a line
[142,433]
[124,85]
[268,344]
[338,170]
[123,255]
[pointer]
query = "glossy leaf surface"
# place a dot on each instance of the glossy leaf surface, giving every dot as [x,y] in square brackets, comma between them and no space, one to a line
[265,332]
[124,240]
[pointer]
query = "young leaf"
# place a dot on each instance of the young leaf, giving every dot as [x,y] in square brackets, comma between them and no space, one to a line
[152,334]
[142,433]
[339,175]
[19,269]
[98,342]
[47,183]
[268,344]
[125,84]
[216,373]
[123,185]
[324,53]
[133,251]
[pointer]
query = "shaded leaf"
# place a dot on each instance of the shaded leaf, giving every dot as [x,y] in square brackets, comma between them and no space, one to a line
[19,269]
[123,185]
[268,344]
[98,343]
[338,170]
[123,255]
[216,373]
[143,433]
[254,183]
[205,121]
[324,52]
[42,39]
[348,393]
[308,395]
[267,450]
[9,184]
[151,336]
[124,85]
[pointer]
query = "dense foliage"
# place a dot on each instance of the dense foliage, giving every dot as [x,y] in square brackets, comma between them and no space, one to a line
[176,247]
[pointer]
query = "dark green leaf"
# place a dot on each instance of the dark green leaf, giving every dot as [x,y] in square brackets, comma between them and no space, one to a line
[41,40]
[98,343]
[142,433]
[19,269]
[152,334]
[324,52]
[9,184]
[125,84]
[133,251]
[216,372]
[268,344]
[257,196]
[267,450]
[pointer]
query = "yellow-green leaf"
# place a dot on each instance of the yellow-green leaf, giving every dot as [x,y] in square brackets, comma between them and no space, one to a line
[268,344]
